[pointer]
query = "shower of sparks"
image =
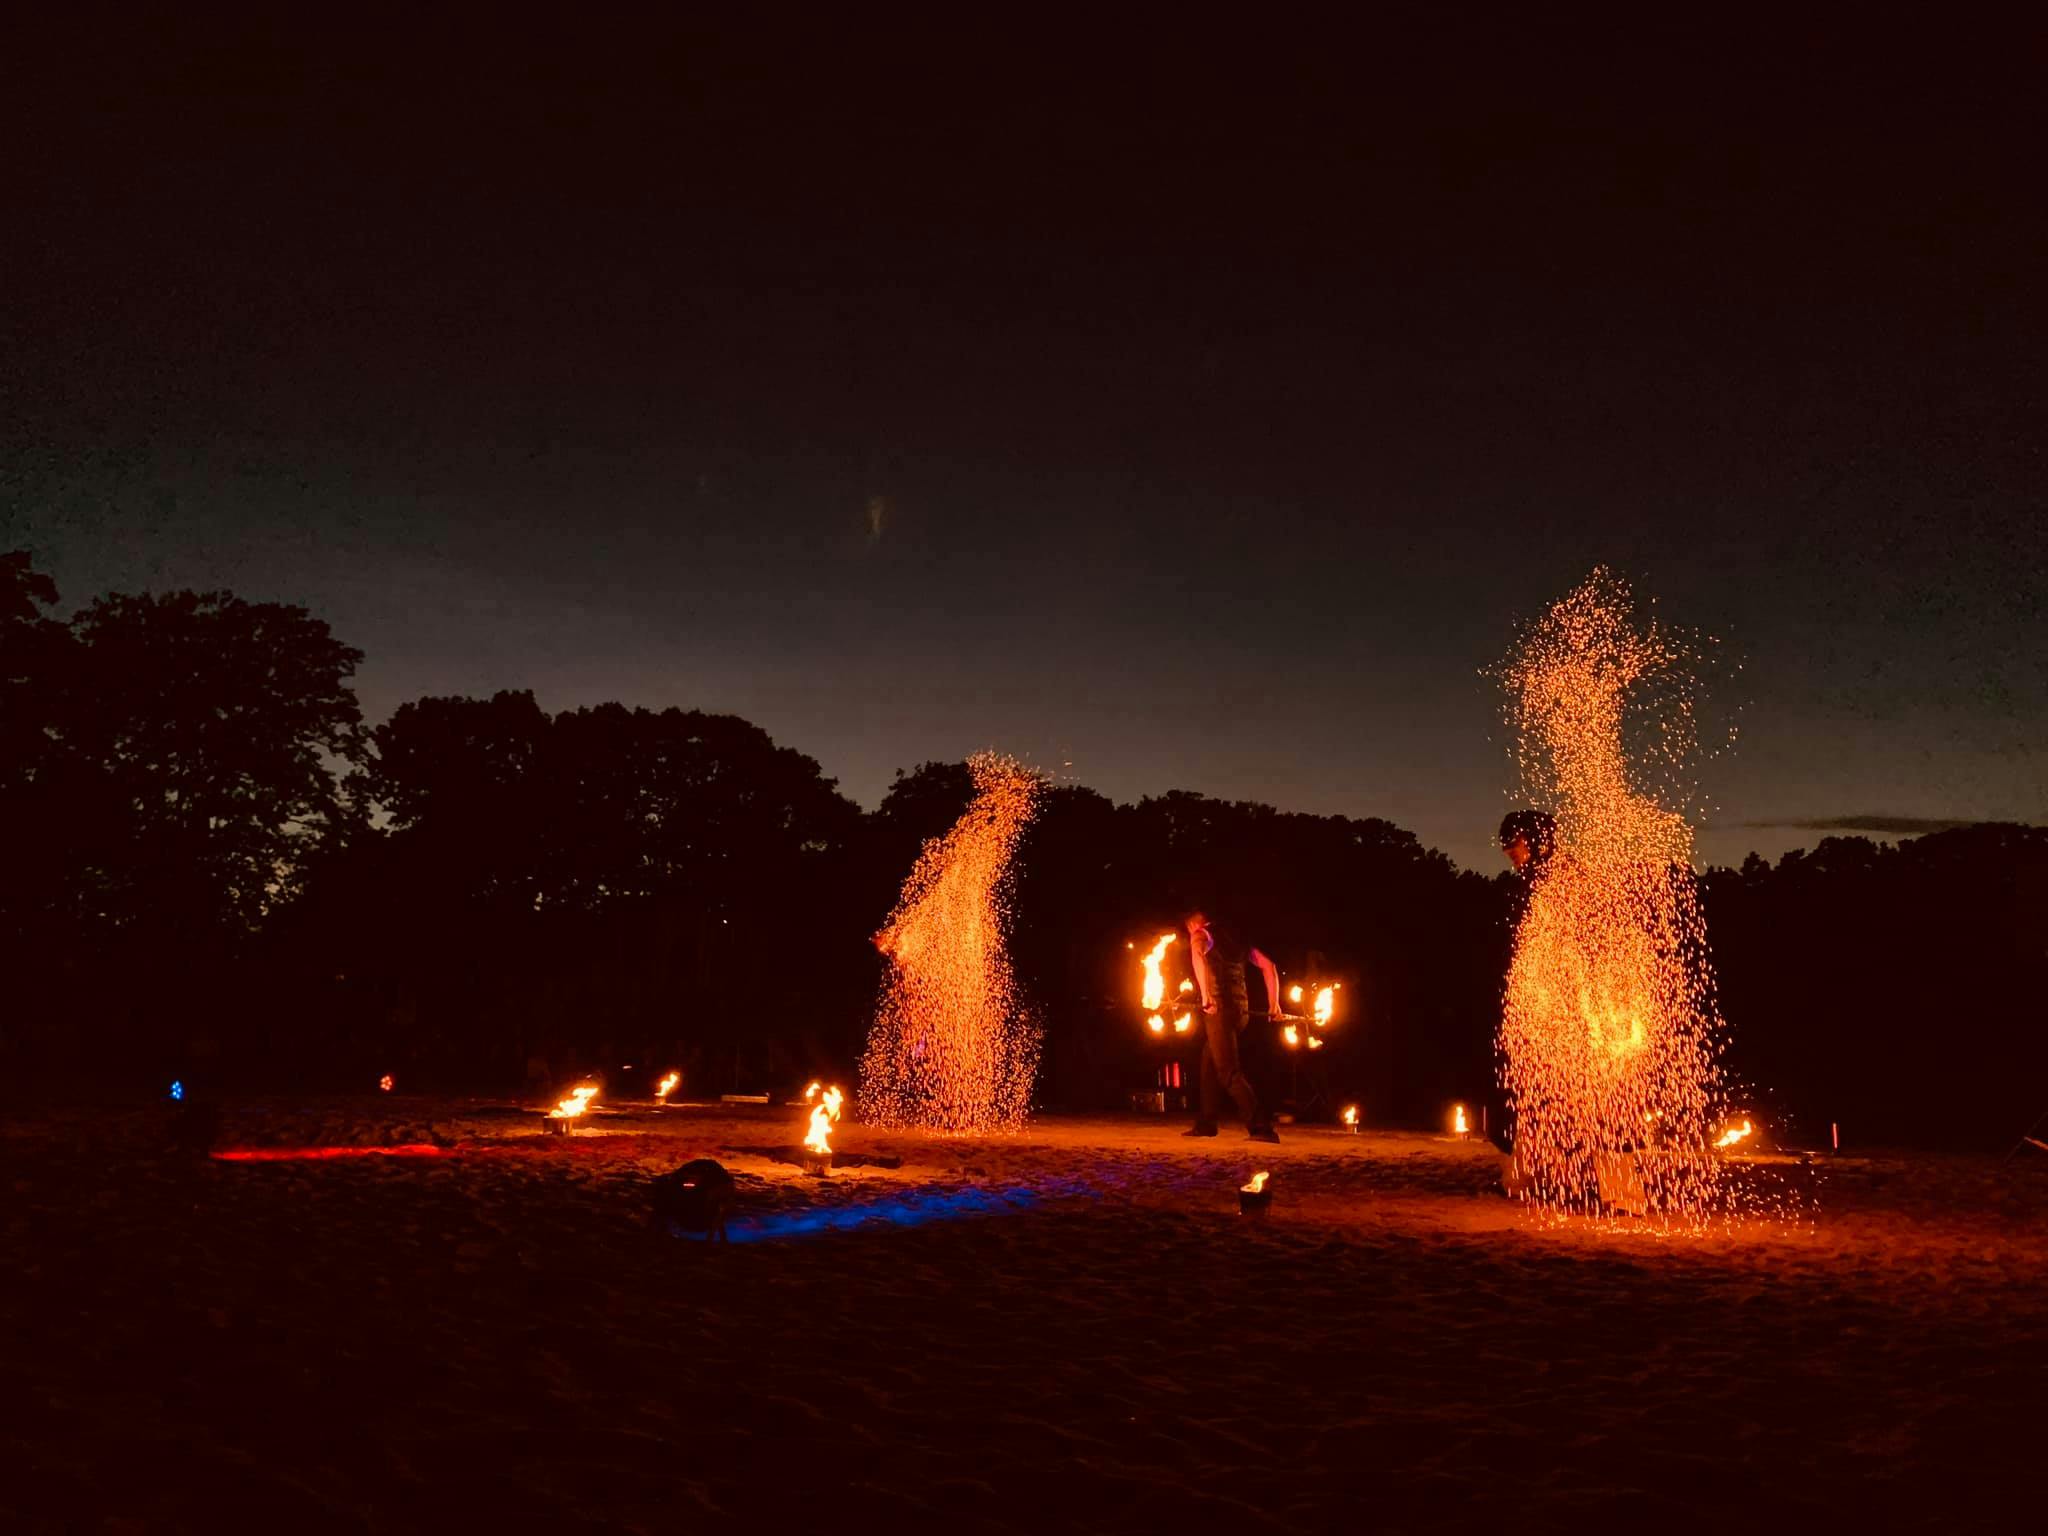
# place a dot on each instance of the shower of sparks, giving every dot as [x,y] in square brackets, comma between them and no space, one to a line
[950,1048]
[1610,1038]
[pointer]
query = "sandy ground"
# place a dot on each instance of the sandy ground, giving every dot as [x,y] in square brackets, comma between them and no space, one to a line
[1071,1330]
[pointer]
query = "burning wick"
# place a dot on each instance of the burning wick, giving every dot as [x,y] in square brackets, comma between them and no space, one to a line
[666,1087]
[1735,1133]
[1294,993]
[1351,1116]
[1315,1042]
[1459,1124]
[1257,1184]
[1156,1024]
[819,1138]
[1183,1023]
[1291,1035]
[1186,985]
[384,1083]
[1326,1005]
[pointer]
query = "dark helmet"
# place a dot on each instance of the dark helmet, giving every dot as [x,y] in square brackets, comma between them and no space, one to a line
[1536,828]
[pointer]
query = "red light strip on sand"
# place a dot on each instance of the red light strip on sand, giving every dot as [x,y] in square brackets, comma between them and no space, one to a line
[316,1154]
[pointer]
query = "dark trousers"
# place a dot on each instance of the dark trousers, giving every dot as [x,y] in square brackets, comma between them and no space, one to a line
[1222,1072]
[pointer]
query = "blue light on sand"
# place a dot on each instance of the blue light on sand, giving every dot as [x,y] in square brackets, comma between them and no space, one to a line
[912,1209]
[177,1088]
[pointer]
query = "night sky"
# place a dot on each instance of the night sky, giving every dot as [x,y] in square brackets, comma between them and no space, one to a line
[1175,411]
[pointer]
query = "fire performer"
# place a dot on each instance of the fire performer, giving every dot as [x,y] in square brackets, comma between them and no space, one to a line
[1528,838]
[1219,960]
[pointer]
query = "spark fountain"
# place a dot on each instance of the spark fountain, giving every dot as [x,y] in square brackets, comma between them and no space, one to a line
[950,1048]
[1609,1038]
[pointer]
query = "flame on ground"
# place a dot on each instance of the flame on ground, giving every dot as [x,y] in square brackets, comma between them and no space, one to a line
[1257,1184]
[1609,1018]
[950,1048]
[1460,1125]
[819,1137]
[1736,1134]
[667,1085]
[574,1105]
[1351,1114]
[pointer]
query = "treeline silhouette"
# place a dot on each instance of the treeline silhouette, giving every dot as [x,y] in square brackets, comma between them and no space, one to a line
[216,872]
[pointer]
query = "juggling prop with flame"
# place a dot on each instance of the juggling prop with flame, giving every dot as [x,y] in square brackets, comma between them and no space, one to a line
[1321,1012]
[563,1116]
[1153,992]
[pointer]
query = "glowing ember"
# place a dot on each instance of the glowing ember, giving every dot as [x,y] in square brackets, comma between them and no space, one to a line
[1156,1024]
[667,1086]
[950,1048]
[574,1105]
[1609,1021]
[1153,992]
[1736,1134]
[1460,1125]
[385,1084]
[1326,1005]
[1257,1184]
[818,1138]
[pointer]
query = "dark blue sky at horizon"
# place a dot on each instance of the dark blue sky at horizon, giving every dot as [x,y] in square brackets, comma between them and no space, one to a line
[1168,444]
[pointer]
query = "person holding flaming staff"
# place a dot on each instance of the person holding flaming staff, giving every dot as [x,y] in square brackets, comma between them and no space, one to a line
[1219,958]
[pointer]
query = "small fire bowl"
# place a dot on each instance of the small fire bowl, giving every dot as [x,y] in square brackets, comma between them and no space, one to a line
[1255,1203]
[556,1125]
[816,1162]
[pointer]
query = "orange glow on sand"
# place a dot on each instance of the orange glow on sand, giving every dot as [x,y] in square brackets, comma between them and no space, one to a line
[1609,1025]
[950,1048]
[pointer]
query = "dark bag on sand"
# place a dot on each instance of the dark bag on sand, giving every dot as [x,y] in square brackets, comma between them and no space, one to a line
[695,1198]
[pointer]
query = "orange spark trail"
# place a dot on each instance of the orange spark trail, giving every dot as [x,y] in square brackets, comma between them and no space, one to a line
[950,1048]
[1609,1039]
